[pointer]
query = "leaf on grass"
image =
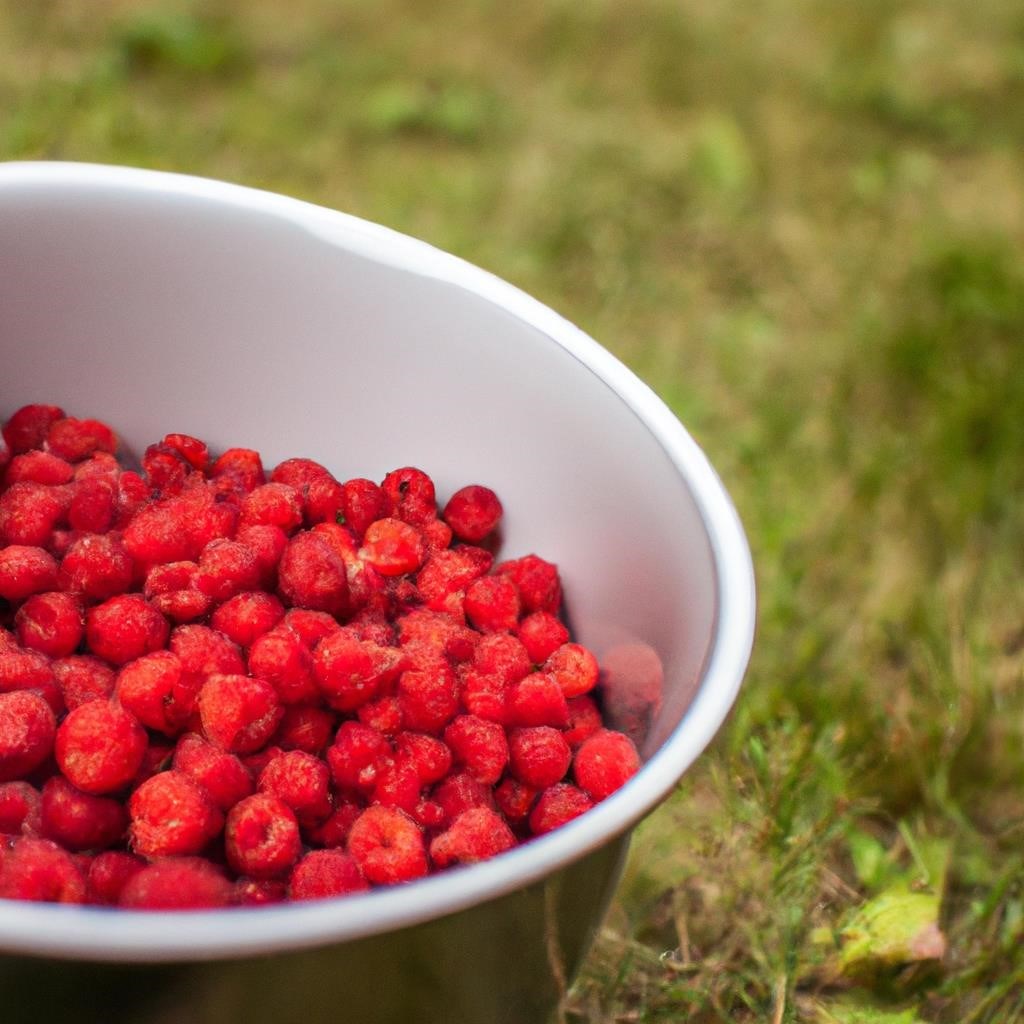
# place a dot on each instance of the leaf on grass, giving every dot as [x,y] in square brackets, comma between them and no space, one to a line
[895,928]
[854,1013]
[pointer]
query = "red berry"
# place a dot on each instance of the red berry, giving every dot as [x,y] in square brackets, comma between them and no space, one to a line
[26,570]
[238,713]
[100,747]
[304,727]
[258,892]
[171,816]
[267,543]
[20,810]
[473,513]
[203,651]
[109,873]
[39,870]
[356,751]
[542,634]
[460,791]
[574,668]
[584,720]
[27,670]
[39,467]
[322,874]
[29,512]
[350,671]
[397,784]
[93,507]
[220,775]
[321,500]
[475,835]
[310,626]
[27,728]
[75,440]
[515,799]
[80,821]
[384,713]
[502,655]
[247,616]
[388,846]
[392,547]
[177,883]
[437,535]
[261,836]
[540,589]
[537,699]
[362,502]
[238,470]
[96,566]
[556,806]
[312,575]
[165,468]
[273,504]
[485,696]
[27,428]
[446,574]
[479,746]
[409,496]
[431,758]
[538,756]
[51,624]
[334,831]
[281,658]
[170,588]
[191,449]
[604,762]
[152,689]
[226,568]
[124,628]
[438,632]
[428,697]
[492,604]
[302,781]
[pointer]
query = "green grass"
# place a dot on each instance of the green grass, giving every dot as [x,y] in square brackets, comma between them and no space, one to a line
[803,223]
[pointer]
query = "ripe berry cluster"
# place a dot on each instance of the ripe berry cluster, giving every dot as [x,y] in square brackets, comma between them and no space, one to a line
[221,687]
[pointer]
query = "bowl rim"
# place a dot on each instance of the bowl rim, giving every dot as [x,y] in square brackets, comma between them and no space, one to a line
[109,934]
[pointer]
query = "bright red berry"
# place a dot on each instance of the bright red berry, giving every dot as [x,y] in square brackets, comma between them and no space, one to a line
[604,762]
[80,821]
[27,728]
[177,883]
[171,816]
[100,747]
[124,628]
[476,834]
[322,874]
[238,713]
[473,512]
[261,836]
[26,570]
[388,846]
[556,806]
[538,756]
[39,870]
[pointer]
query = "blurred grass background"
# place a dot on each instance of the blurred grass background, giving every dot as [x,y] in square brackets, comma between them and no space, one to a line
[803,223]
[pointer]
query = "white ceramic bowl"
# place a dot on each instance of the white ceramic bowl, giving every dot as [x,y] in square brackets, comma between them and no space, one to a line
[161,302]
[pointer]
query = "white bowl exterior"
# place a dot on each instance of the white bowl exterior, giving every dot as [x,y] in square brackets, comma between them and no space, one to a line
[161,302]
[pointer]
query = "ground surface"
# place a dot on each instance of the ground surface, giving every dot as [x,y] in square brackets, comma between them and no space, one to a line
[803,223]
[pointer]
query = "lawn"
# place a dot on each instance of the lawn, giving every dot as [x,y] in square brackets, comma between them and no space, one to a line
[803,224]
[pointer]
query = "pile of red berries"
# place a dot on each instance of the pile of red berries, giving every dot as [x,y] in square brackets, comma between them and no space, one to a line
[220,686]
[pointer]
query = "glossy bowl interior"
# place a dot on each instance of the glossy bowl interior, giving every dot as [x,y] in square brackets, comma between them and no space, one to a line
[161,302]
